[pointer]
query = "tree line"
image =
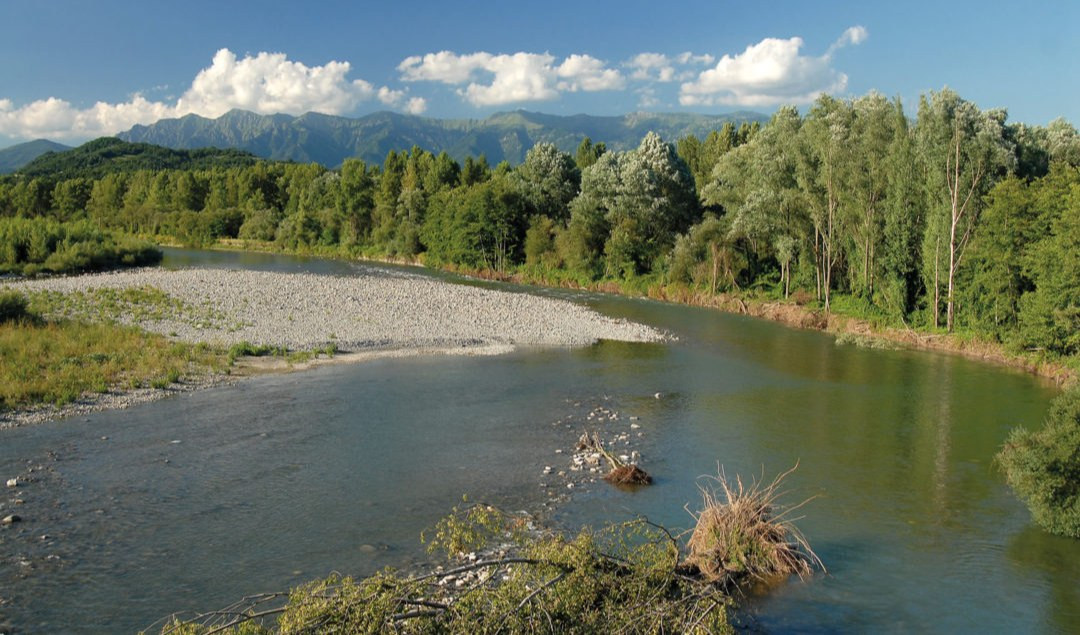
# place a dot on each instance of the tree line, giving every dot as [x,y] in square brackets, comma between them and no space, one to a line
[952,219]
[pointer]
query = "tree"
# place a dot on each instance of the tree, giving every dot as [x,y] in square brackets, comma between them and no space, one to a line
[965,150]
[904,212]
[588,153]
[635,203]
[825,151]
[867,170]
[70,197]
[1049,316]
[548,180]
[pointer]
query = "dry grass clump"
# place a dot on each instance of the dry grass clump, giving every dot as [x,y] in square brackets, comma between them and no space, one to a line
[742,532]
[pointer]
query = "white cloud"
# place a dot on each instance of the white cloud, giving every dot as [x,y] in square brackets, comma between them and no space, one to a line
[658,67]
[769,73]
[503,79]
[265,83]
[390,97]
[416,106]
[853,35]
[584,72]
[269,83]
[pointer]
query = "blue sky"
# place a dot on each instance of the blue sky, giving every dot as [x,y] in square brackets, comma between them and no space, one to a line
[75,70]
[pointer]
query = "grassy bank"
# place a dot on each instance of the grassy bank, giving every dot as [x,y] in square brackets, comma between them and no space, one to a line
[58,362]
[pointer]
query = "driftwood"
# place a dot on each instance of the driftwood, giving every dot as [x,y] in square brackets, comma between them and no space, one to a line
[621,473]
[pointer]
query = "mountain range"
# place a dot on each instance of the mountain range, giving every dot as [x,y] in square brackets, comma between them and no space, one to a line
[329,140]
[16,156]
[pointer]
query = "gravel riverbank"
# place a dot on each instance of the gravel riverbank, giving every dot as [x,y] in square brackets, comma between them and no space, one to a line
[378,313]
[381,309]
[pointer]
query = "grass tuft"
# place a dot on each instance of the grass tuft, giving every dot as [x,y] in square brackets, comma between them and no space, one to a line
[742,532]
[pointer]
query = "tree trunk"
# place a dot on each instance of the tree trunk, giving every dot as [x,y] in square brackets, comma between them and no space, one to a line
[715,266]
[937,285]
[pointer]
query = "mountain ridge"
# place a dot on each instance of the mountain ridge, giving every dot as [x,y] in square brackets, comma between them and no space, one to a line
[330,139]
[15,157]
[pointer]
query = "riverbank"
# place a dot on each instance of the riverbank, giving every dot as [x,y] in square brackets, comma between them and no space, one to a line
[793,314]
[787,312]
[377,313]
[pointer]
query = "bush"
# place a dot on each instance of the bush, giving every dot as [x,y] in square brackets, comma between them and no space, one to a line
[12,306]
[32,245]
[1043,467]
[624,578]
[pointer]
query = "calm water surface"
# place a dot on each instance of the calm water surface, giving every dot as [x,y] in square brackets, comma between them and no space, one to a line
[192,502]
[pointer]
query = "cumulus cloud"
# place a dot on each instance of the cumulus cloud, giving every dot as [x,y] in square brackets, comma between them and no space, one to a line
[270,83]
[416,106]
[768,73]
[661,68]
[265,83]
[508,78]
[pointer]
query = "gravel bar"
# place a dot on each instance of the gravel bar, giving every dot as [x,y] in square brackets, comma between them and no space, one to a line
[377,309]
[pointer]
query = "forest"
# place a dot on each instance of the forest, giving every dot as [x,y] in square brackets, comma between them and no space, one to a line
[952,220]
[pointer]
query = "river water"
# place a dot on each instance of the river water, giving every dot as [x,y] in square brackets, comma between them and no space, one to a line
[192,502]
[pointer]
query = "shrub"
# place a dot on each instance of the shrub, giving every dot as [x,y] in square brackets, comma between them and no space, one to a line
[1043,467]
[745,534]
[12,306]
[623,578]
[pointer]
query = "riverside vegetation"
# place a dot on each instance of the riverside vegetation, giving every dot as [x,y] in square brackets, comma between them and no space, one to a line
[58,361]
[502,575]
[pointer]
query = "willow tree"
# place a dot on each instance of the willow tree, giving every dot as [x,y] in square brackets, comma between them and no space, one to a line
[868,178]
[965,150]
[826,151]
[756,185]
[635,204]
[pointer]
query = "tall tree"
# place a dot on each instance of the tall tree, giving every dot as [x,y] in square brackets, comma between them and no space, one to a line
[548,180]
[826,136]
[965,151]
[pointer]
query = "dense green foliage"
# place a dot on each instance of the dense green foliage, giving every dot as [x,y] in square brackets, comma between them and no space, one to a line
[31,245]
[1043,467]
[955,220]
[12,306]
[108,155]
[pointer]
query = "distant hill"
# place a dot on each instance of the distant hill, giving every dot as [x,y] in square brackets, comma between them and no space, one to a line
[13,158]
[329,140]
[109,154]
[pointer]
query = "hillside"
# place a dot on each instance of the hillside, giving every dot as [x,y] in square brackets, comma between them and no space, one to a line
[329,140]
[15,157]
[102,156]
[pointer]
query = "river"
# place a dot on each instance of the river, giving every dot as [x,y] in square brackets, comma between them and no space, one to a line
[189,503]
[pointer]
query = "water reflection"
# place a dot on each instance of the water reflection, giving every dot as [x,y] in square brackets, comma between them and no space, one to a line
[280,479]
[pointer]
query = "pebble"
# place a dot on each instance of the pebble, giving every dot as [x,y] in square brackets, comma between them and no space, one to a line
[13,482]
[11,519]
[400,310]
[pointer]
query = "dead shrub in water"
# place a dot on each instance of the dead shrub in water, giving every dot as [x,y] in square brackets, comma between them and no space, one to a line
[621,473]
[746,534]
[628,475]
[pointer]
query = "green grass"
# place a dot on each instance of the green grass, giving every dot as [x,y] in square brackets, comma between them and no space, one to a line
[143,304]
[58,362]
